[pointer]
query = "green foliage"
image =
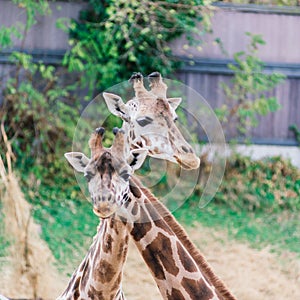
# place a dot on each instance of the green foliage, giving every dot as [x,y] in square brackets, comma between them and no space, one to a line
[8,33]
[246,97]
[278,231]
[296,132]
[267,2]
[4,242]
[115,38]
[268,186]
[257,202]
[38,110]
[32,9]
[66,217]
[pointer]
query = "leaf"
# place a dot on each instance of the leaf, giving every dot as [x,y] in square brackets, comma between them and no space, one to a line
[237,57]
[257,38]
[145,31]
[273,104]
[63,24]
[129,44]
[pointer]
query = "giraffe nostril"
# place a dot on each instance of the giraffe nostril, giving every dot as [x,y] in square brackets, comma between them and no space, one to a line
[185,149]
[109,197]
[94,199]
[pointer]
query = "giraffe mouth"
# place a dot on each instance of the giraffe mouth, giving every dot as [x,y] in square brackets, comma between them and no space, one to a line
[188,161]
[103,213]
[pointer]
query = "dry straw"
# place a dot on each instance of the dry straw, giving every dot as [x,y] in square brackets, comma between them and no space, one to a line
[29,271]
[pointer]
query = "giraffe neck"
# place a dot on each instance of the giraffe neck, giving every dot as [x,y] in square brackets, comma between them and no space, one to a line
[182,236]
[99,275]
[128,138]
[176,272]
[179,269]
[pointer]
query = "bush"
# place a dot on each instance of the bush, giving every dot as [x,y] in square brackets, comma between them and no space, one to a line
[268,185]
[246,96]
[38,112]
[114,38]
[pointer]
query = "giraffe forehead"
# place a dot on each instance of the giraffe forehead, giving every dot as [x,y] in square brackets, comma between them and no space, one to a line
[108,163]
[104,164]
[155,106]
[133,105]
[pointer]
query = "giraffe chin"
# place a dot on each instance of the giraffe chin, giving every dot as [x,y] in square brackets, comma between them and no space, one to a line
[188,162]
[103,214]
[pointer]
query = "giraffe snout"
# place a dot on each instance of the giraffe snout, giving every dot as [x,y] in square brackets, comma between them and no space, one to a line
[104,210]
[185,156]
[106,198]
[104,205]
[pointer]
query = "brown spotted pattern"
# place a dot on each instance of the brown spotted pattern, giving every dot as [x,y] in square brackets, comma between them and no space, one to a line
[104,271]
[152,122]
[177,275]
[175,294]
[99,275]
[174,270]
[197,289]
[159,257]
[185,258]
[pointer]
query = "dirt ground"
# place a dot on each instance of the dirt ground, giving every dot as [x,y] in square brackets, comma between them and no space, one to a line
[250,274]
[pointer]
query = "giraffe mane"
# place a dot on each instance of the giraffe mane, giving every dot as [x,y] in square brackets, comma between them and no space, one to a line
[187,243]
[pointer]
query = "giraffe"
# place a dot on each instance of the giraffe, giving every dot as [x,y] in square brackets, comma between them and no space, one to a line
[177,274]
[99,275]
[157,88]
[149,121]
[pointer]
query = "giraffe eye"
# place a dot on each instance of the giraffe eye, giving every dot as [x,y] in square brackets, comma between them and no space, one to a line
[88,176]
[144,121]
[125,175]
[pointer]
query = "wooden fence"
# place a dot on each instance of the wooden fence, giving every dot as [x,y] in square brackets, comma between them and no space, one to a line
[278,26]
[280,29]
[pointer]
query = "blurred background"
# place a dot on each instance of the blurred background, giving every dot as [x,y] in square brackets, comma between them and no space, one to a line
[242,56]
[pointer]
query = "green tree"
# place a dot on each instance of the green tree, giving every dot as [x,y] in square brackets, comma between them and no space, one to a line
[114,38]
[38,112]
[296,131]
[246,97]
[269,2]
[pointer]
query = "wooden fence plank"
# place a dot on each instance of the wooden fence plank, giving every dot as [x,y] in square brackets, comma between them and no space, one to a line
[280,30]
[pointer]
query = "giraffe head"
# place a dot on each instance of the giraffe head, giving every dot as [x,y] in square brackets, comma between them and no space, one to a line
[150,119]
[107,171]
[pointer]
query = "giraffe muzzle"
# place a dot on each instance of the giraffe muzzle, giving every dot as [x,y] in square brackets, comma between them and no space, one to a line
[104,211]
[188,161]
[105,205]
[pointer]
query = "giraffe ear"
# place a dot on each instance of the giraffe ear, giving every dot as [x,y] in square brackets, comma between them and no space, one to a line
[77,160]
[174,102]
[137,158]
[116,106]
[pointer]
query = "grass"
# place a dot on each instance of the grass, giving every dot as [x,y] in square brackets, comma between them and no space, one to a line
[257,202]
[4,243]
[68,223]
[65,216]
[280,230]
